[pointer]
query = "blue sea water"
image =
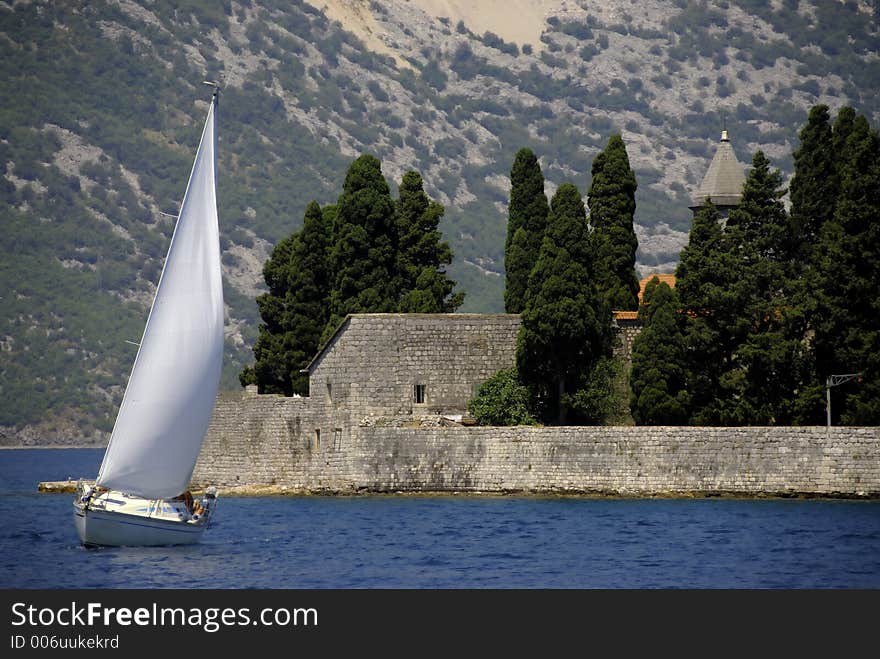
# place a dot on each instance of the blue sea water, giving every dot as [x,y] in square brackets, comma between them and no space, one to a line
[444,542]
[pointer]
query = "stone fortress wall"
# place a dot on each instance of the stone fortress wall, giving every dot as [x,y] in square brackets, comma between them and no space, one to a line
[625,461]
[386,396]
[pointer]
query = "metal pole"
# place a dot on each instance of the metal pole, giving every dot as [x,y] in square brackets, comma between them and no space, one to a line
[828,406]
[833,381]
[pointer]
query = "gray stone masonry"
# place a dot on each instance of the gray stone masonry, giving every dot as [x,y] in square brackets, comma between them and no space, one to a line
[626,332]
[258,440]
[383,390]
[374,362]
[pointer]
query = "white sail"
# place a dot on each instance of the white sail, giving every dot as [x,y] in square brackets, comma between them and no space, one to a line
[170,396]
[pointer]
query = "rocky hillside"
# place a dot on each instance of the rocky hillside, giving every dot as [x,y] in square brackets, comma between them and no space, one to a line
[103,104]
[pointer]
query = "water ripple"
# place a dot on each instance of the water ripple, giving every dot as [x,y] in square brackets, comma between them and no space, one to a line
[446,542]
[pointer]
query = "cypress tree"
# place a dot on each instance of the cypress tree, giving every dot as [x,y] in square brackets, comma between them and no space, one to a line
[271,371]
[658,379]
[814,186]
[566,327]
[517,259]
[309,307]
[422,255]
[847,323]
[858,210]
[757,228]
[814,191]
[612,204]
[295,309]
[829,276]
[843,126]
[363,257]
[766,367]
[526,223]
[703,283]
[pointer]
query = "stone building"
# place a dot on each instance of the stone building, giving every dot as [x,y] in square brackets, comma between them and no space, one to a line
[390,368]
[394,369]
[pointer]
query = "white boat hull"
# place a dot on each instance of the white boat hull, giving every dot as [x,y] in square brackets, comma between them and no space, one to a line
[100,528]
[115,519]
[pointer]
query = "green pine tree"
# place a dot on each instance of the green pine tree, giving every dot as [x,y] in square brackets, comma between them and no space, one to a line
[294,310]
[566,326]
[658,379]
[364,254]
[422,254]
[704,276]
[612,204]
[526,224]
[271,372]
[766,369]
[843,126]
[826,282]
[757,229]
[847,322]
[814,191]
[814,186]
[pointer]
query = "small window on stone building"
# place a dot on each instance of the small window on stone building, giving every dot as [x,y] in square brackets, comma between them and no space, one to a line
[330,392]
[337,439]
[419,393]
[317,446]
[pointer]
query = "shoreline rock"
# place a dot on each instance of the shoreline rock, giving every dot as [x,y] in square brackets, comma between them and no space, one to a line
[269,490]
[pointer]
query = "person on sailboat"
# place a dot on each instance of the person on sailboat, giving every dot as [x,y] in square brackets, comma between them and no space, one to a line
[193,506]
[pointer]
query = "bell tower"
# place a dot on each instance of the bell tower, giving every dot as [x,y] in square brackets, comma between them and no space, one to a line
[723,181]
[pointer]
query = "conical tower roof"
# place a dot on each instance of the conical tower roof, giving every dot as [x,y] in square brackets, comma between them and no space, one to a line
[723,182]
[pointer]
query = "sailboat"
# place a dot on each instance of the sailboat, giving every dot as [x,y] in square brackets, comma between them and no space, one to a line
[141,496]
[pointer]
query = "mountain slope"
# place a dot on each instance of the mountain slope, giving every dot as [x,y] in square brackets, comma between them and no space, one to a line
[103,104]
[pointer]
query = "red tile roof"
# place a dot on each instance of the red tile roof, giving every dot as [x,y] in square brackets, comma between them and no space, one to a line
[667,278]
[633,315]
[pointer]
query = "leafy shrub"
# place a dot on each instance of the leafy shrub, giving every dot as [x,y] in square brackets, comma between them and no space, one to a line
[724,87]
[577,30]
[550,60]
[662,80]
[434,76]
[502,401]
[377,91]
[588,52]
[598,398]
[494,41]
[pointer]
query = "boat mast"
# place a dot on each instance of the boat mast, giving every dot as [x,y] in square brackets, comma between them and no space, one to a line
[215,97]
